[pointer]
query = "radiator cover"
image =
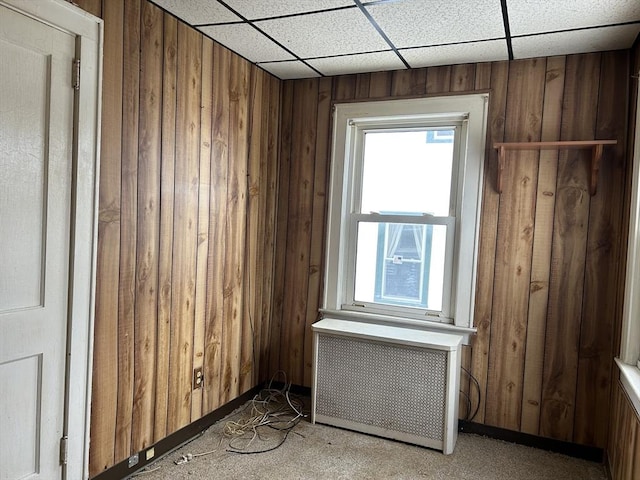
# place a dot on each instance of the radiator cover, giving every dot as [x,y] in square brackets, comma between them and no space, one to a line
[388,381]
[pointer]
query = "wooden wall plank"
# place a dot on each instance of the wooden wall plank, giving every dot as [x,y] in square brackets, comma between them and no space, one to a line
[260,348]
[363,81]
[202,249]
[418,81]
[255,193]
[270,229]
[105,378]
[299,229]
[568,252]
[613,446]
[185,227]
[408,82]
[623,451]
[514,247]
[280,344]
[149,152]
[215,324]
[483,76]
[541,261]
[463,77]
[438,79]
[601,270]
[344,87]
[488,237]
[94,7]
[380,84]
[400,83]
[318,219]
[235,228]
[128,223]
[165,260]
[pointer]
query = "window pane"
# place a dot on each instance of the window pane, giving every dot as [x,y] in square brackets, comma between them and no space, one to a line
[407,172]
[400,264]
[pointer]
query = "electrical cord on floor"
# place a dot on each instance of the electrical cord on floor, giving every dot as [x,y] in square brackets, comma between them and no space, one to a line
[271,409]
[468,404]
[144,472]
[476,384]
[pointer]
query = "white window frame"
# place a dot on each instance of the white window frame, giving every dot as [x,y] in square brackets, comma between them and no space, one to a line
[629,360]
[349,122]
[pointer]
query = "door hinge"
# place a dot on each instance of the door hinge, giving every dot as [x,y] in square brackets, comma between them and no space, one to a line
[76,74]
[64,450]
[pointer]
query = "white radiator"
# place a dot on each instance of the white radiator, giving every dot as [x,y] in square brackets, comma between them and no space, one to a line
[393,382]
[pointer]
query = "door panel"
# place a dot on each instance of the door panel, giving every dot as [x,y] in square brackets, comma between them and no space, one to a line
[36,121]
[23,188]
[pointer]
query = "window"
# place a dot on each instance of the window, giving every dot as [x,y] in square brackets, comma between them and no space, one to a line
[404,209]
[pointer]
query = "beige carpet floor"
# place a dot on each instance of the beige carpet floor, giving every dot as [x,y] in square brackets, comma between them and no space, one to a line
[323,452]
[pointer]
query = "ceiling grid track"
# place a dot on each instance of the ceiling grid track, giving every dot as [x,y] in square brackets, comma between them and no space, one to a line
[507,28]
[381,32]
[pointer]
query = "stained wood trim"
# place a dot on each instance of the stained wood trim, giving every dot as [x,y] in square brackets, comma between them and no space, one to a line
[596,145]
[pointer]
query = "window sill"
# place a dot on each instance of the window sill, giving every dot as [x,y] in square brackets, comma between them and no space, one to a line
[425,325]
[630,378]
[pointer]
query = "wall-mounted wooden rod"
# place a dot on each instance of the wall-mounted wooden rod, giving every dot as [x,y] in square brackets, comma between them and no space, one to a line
[596,145]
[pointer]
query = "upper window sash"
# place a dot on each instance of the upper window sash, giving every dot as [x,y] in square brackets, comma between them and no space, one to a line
[355,150]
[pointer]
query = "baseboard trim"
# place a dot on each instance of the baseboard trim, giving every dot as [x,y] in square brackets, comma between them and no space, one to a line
[177,439]
[584,452]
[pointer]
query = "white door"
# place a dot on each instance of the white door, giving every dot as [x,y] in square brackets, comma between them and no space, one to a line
[36,122]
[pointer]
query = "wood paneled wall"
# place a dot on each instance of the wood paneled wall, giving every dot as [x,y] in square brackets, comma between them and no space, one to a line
[549,258]
[624,445]
[188,179]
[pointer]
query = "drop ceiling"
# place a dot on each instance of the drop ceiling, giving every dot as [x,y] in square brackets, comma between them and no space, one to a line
[314,38]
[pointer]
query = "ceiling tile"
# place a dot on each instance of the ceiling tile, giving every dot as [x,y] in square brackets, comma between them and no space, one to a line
[364,62]
[535,16]
[410,23]
[198,11]
[325,34]
[246,41]
[288,70]
[253,9]
[492,50]
[577,41]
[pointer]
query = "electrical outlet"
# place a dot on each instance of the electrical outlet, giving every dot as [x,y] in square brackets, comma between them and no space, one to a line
[133,460]
[198,378]
[150,453]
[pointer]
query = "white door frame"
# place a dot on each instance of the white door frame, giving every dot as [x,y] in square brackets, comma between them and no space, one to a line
[88,31]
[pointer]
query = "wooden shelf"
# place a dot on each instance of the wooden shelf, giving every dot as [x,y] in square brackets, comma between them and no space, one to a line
[596,145]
